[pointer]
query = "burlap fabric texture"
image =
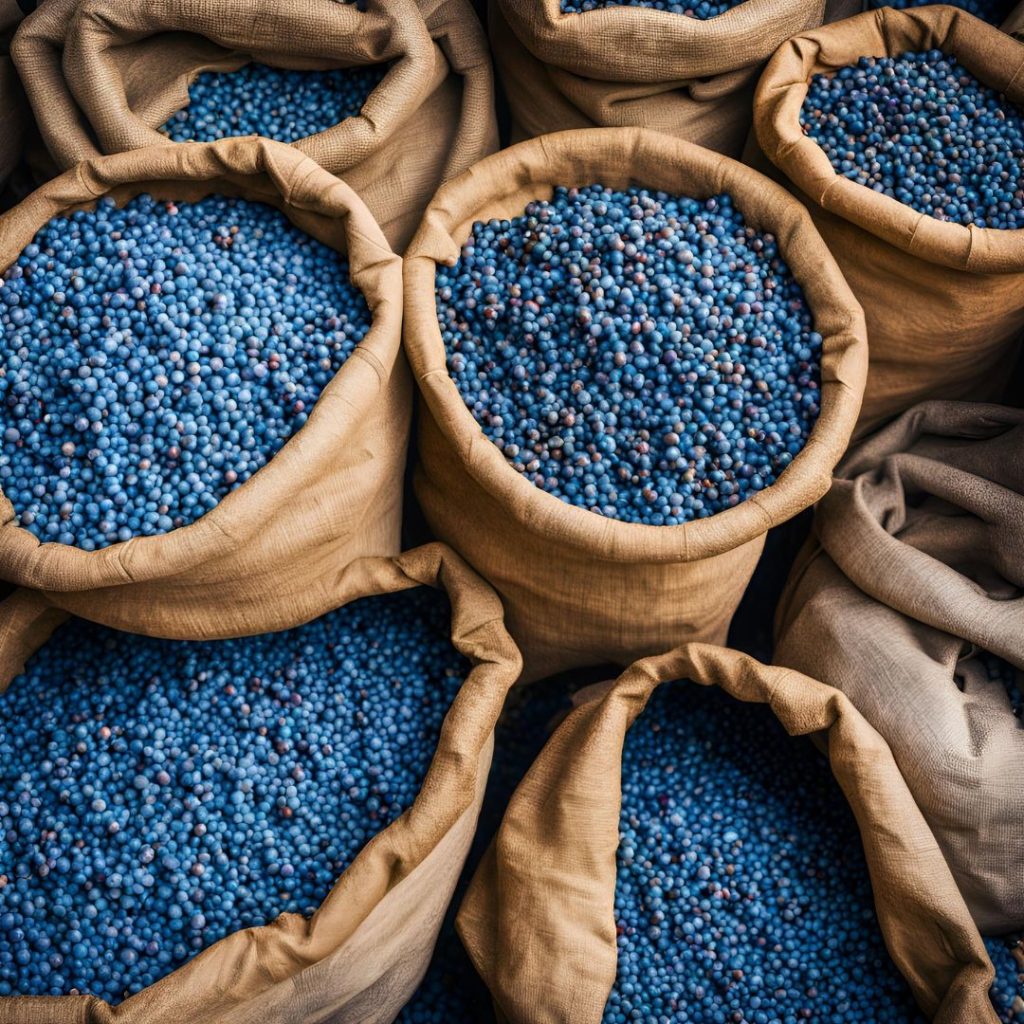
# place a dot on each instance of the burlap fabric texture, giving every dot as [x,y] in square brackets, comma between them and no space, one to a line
[268,556]
[944,303]
[359,958]
[539,919]
[915,566]
[580,589]
[628,66]
[104,75]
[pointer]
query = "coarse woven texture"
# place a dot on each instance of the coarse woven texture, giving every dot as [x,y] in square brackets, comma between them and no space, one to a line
[581,589]
[104,75]
[539,919]
[362,954]
[915,567]
[631,66]
[944,303]
[268,555]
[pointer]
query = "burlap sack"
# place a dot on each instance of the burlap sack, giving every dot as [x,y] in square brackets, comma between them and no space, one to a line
[633,66]
[944,303]
[539,920]
[580,589]
[362,954]
[103,75]
[917,564]
[267,556]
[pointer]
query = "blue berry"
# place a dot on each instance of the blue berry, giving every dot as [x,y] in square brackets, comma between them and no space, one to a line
[742,893]
[158,795]
[156,356]
[701,9]
[921,129]
[993,11]
[276,103]
[452,992]
[647,357]
[1007,956]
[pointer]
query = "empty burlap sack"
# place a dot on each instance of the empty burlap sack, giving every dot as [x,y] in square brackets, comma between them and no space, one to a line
[944,303]
[362,954]
[268,555]
[104,75]
[580,589]
[916,565]
[539,918]
[623,66]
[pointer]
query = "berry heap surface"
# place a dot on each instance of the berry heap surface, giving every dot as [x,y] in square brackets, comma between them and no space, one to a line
[276,103]
[157,795]
[702,9]
[156,356]
[644,356]
[921,129]
[1007,956]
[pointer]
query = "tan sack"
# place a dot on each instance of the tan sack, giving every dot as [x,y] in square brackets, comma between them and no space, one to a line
[581,589]
[539,918]
[916,565]
[360,957]
[944,303]
[104,75]
[267,557]
[628,66]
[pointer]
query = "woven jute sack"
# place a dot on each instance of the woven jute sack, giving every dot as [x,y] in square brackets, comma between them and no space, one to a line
[915,566]
[539,918]
[944,303]
[267,556]
[581,589]
[359,958]
[104,75]
[634,66]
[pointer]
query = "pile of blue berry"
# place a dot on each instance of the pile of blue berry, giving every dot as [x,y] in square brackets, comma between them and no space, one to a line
[644,356]
[742,893]
[452,992]
[1007,957]
[922,129]
[158,795]
[701,9]
[156,356]
[276,103]
[993,11]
